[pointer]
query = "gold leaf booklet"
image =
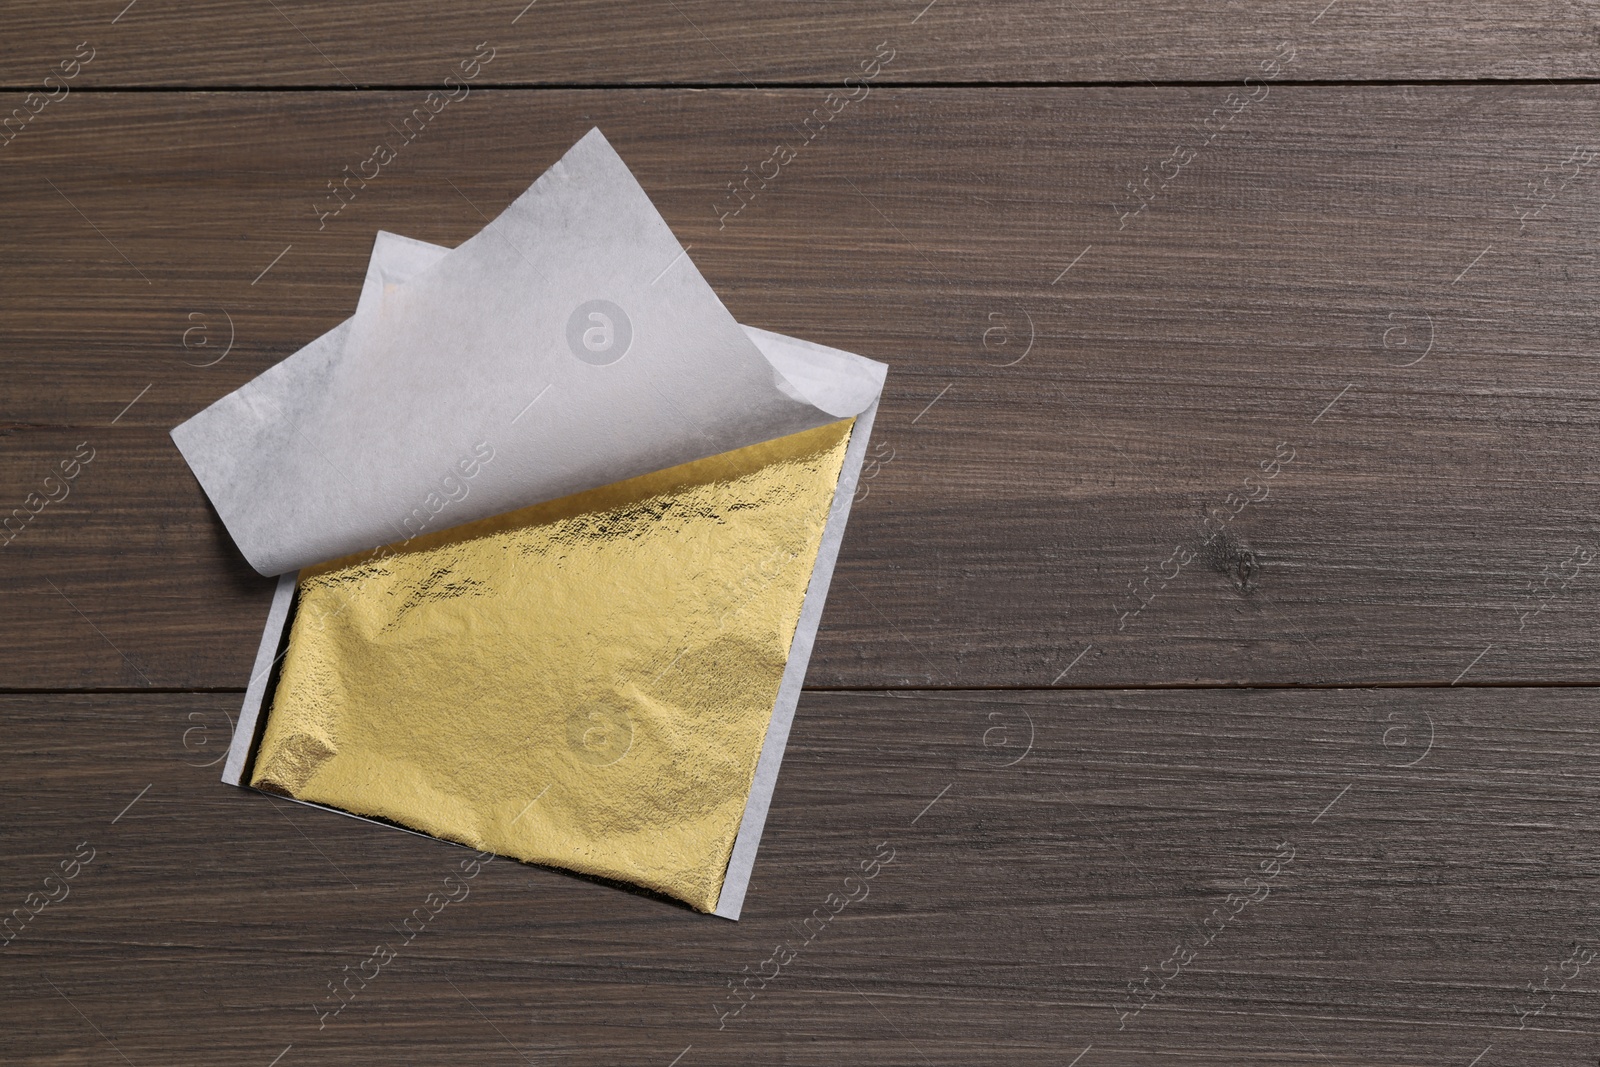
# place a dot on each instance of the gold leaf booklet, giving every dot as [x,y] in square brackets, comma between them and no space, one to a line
[554,534]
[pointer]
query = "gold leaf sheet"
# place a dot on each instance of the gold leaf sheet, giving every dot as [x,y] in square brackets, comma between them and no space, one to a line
[584,683]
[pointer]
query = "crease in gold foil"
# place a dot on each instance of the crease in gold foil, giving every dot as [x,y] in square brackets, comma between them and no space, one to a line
[585,683]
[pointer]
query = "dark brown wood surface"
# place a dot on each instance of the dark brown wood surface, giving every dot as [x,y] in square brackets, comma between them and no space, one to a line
[1079,719]
[609,42]
[1444,845]
[1299,261]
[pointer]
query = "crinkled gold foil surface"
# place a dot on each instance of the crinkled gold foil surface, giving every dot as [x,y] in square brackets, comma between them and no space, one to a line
[585,683]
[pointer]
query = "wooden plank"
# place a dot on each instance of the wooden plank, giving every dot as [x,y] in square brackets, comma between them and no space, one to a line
[1048,849]
[1341,274]
[404,42]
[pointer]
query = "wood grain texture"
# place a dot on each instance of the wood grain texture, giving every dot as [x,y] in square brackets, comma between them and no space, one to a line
[1444,858]
[1364,311]
[406,42]
[1338,275]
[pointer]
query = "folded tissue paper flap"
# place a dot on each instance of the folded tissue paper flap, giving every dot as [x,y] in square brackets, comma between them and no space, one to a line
[572,333]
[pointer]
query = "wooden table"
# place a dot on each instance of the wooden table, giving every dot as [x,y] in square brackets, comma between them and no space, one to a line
[1233,500]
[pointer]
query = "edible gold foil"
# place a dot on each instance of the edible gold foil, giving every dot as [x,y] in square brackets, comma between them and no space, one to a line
[584,683]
